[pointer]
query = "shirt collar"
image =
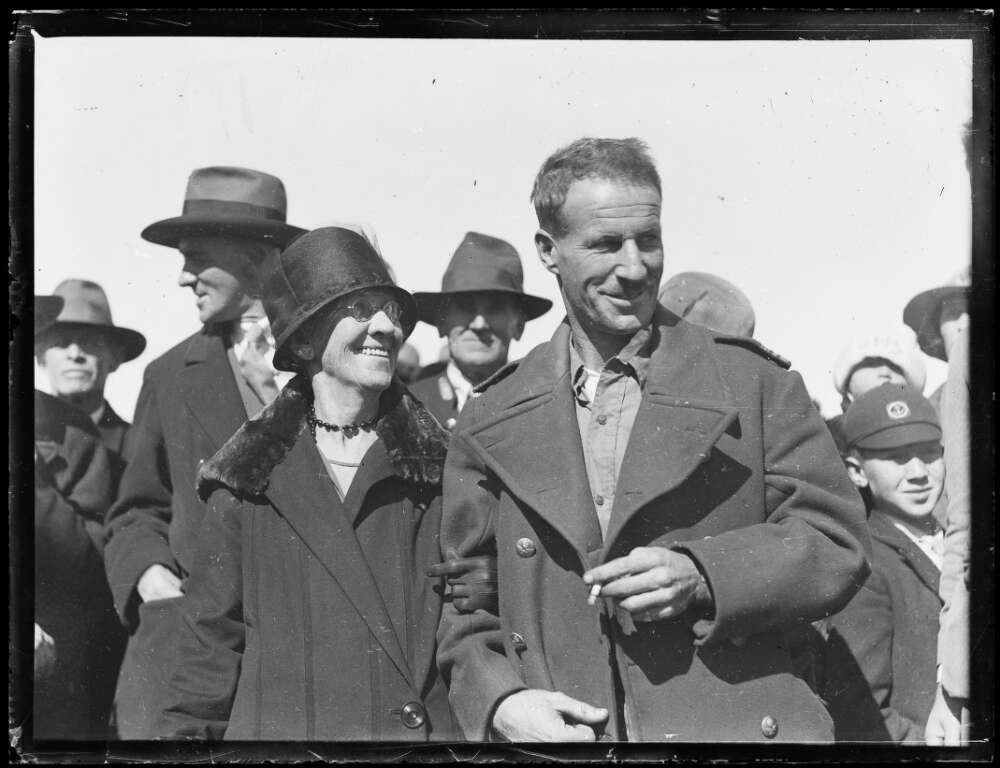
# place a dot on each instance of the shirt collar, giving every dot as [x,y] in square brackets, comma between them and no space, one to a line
[632,360]
[460,385]
[931,544]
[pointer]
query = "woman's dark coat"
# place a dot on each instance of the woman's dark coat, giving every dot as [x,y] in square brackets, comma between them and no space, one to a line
[308,618]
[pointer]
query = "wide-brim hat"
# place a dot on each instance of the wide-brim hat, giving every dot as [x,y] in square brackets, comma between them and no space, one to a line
[318,268]
[710,301]
[898,346]
[481,264]
[86,307]
[46,310]
[224,200]
[890,416]
[923,313]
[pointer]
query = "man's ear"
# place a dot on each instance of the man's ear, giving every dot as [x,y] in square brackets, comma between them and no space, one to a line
[302,351]
[855,471]
[545,245]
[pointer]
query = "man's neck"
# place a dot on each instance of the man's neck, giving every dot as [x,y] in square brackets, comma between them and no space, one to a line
[595,349]
[91,403]
[917,526]
[477,374]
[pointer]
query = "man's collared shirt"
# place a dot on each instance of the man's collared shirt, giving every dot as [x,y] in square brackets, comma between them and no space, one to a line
[606,405]
[931,544]
[460,385]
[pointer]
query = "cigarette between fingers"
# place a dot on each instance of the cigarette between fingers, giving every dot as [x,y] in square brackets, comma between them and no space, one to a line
[595,592]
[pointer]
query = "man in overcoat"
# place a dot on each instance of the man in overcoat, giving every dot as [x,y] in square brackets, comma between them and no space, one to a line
[78,353]
[193,398]
[888,632]
[480,309]
[667,509]
[78,641]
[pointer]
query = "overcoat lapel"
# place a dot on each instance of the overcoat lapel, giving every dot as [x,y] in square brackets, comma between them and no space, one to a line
[209,389]
[533,445]
[685,409]
[883,529]
[301,491]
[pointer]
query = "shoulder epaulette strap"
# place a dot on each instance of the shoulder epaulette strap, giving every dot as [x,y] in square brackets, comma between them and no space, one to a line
[755,346]
[500,375]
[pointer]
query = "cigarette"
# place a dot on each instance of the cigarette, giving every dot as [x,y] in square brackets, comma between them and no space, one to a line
[595,592]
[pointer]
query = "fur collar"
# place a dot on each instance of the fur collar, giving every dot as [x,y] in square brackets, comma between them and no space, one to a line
[415,442]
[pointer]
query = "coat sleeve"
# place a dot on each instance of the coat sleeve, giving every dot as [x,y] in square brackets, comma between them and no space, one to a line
[138,524]
[859,687]
[212,632]
[953,638]
[808,555]
[471,654]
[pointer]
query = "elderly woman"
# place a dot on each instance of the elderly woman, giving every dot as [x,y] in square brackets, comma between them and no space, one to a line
[309,615]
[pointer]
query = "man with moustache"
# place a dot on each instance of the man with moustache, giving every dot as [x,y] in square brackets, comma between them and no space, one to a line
[193,398]
[888,632]
[481,308]
[666,507]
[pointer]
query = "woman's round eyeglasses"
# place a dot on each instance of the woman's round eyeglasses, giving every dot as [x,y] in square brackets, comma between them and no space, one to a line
[364,310]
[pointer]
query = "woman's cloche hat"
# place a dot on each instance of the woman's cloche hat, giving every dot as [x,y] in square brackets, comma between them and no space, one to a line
[318,268]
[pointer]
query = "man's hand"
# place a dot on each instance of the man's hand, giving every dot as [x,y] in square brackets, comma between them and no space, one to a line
[651,583]
[472,581]
[945,725]
[158,583]
[45,652]
[535,715]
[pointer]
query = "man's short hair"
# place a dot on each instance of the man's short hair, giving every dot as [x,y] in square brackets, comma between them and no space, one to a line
[625,160]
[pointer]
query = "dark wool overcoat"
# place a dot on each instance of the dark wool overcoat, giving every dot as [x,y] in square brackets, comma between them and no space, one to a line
[435,392]
[728,462]
[73,489]
[189,405]
[881,665]
[305,617]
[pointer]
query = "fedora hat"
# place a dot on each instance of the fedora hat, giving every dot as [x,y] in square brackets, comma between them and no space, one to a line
[481,263]
[224,200]
[710,301]
[47,309]
[318,268]
[85,305]
[923,313]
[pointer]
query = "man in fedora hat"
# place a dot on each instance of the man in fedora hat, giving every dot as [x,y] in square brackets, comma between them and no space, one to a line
[193,398]
[78,640]
[666,509]
[81,349]
[481,308]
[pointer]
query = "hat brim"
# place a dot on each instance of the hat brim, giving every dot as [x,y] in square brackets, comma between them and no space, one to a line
[46,311]
[284,360]
[897,435]
[170,232]
[922,313]
[429,304]
[131,342]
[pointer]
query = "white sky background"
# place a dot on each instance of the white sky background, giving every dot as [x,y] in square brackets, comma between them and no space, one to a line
[826,179]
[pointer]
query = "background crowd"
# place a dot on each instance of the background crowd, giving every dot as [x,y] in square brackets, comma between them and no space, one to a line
[169,608]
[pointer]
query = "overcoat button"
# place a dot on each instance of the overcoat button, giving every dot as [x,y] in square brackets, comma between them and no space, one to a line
[525,547]
[413,714]
[769,727]
[450,423]
[602,419]
[738,640]
[599,500]
[517,641]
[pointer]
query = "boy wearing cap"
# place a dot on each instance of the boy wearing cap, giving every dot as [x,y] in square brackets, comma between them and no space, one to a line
[193,398]
[881,663]
[481,308]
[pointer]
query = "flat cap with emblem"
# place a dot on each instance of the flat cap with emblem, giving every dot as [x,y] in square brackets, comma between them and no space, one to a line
[482,267]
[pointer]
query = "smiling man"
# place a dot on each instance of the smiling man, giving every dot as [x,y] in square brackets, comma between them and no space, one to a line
[481,308]
[193,398]
[664,503]
[889,630]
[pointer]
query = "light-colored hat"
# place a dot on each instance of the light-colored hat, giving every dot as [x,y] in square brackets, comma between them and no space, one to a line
[898,347]
[923,312]
[86,306]
[224,200]
[709,300]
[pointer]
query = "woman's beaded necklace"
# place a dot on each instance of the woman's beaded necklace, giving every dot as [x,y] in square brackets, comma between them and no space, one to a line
[349,430]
